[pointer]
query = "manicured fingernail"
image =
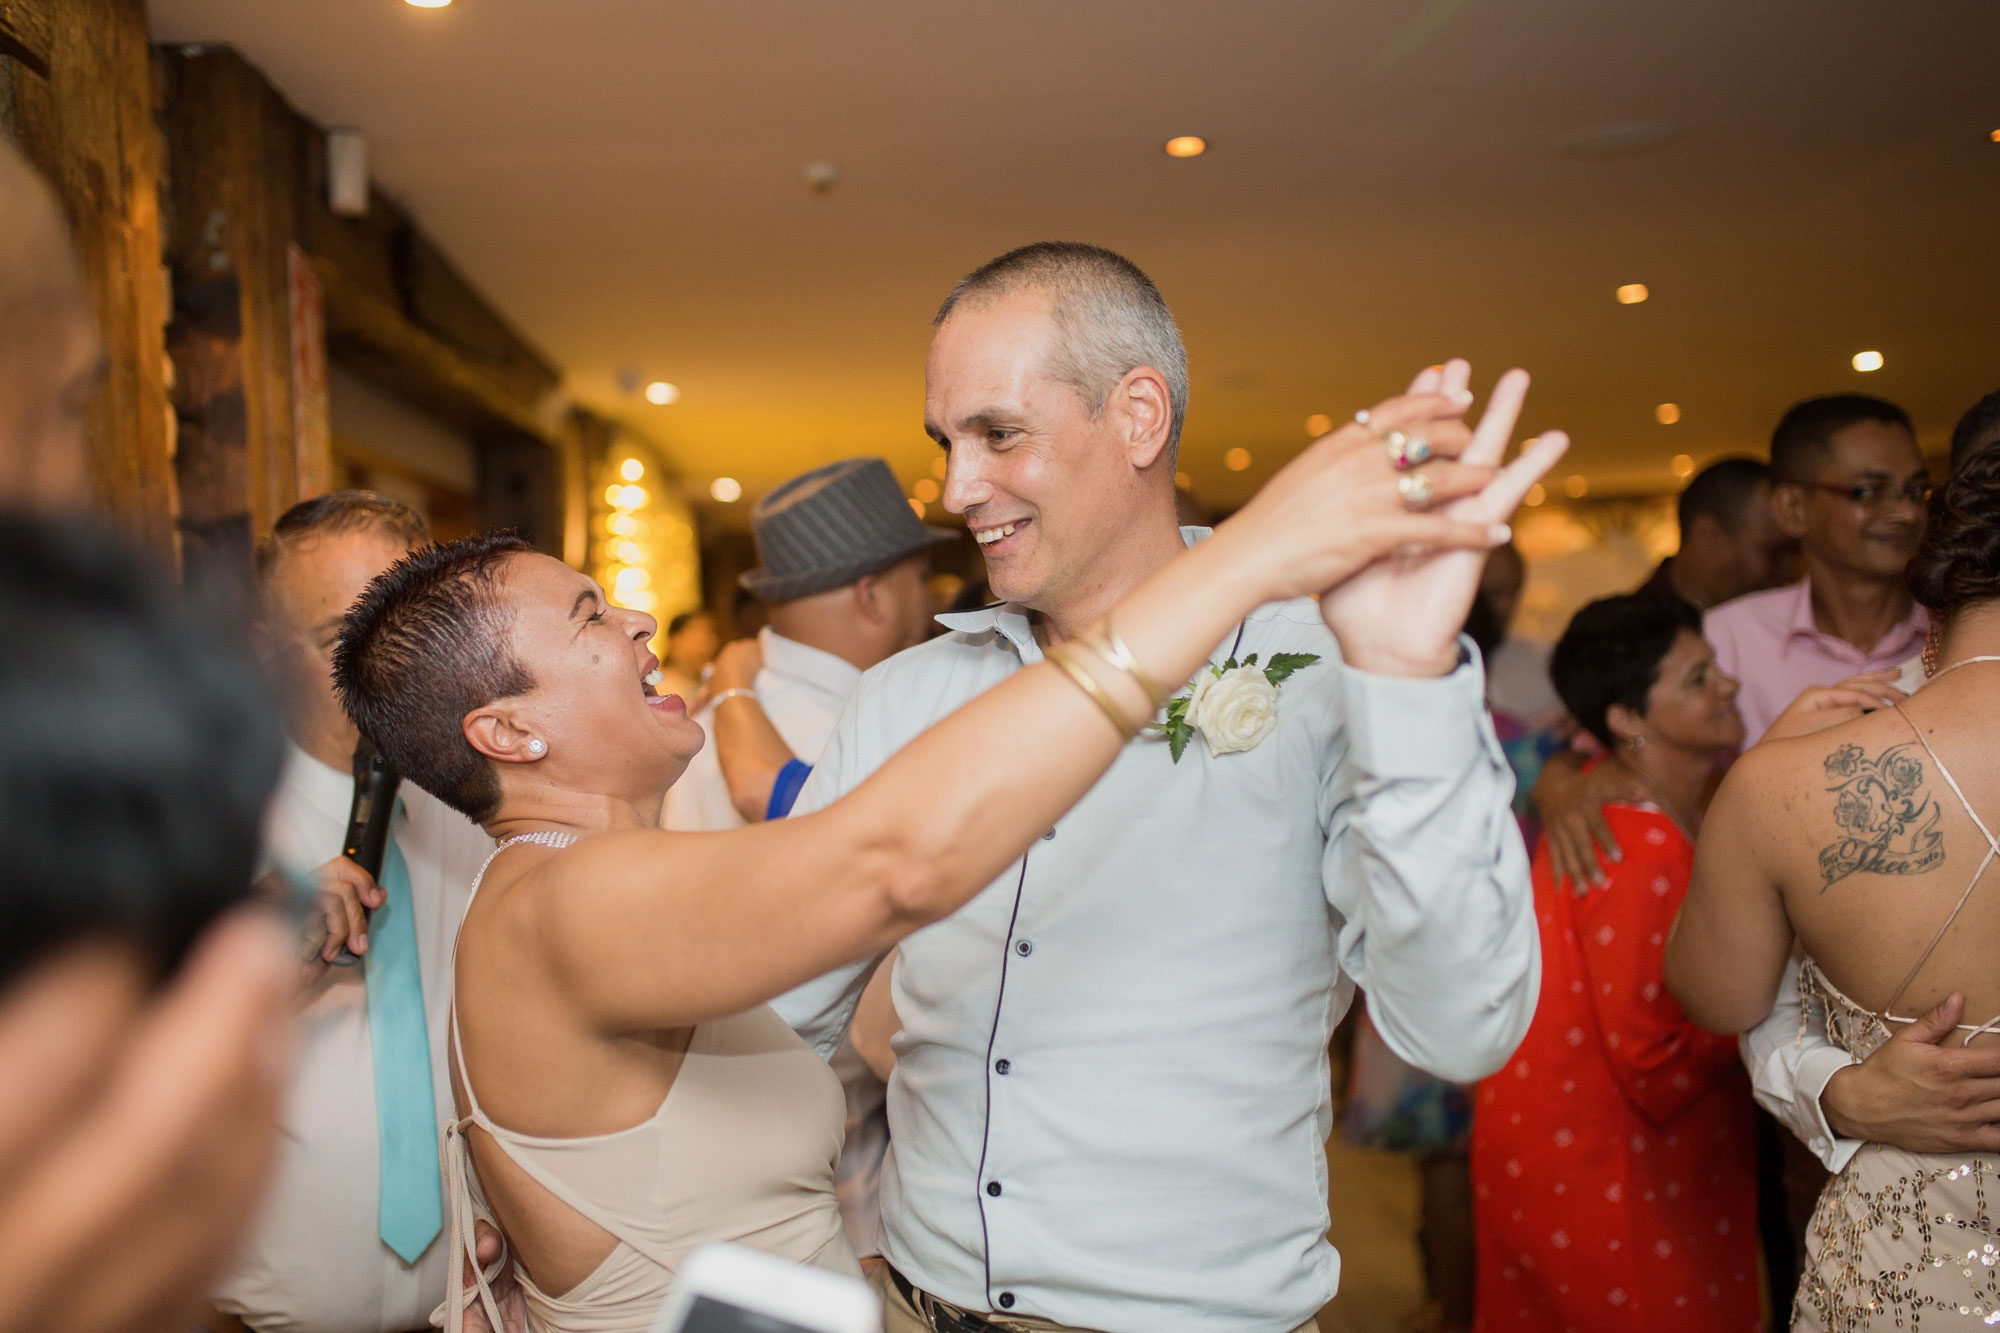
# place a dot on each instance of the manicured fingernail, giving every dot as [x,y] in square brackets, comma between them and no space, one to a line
[1500,534]
[1459,396]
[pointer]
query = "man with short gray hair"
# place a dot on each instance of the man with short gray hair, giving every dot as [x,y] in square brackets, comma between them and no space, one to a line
[1111,1094]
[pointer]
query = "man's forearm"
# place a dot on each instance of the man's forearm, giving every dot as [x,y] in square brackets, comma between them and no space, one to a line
[1431,877]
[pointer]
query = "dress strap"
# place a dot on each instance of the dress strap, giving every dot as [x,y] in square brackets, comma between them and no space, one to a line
[458,1168]
[1992,846]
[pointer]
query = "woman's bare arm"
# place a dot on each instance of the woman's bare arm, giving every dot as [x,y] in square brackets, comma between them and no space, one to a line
[1727,949]
[651,929]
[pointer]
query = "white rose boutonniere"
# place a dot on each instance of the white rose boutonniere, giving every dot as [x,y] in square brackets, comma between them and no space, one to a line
[1233,706]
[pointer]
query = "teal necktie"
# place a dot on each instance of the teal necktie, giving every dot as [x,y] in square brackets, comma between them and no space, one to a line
[412,1209]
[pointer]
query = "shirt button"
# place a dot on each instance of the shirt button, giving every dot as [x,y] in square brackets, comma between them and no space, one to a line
[1024,948]
[1002,1066]
[993,1188]
[1006,1300]
[1050,834]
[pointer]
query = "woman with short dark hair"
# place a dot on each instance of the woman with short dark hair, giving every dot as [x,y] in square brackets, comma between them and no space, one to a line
[1613,1158]
[1864,844]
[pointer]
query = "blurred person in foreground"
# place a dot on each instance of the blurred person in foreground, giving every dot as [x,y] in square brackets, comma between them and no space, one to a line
[143,1016]
[348,1240]
[1111,1093]
[140,1101]
[842,561]
[1614,1157]
[627,1092]
[1866,848]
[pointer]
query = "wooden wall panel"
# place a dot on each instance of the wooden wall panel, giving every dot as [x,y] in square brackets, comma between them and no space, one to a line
[82,104]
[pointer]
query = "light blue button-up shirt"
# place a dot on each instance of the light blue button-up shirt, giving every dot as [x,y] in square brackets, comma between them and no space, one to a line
[1112,1090]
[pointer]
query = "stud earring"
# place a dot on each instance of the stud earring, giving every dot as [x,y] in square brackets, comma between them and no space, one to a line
[538,747]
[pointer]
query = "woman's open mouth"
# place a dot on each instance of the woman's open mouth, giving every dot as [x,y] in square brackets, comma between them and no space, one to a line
[665,703]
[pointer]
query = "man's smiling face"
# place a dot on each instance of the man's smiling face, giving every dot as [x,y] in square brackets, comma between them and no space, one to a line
[1040,480]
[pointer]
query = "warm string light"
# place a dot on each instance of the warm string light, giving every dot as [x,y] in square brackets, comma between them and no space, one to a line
[1867,361]
[1667,413]
[1186,145]
[1318,424]
[725,490]
[662,394]
[1237,459]
[1632,293]
[1683,465]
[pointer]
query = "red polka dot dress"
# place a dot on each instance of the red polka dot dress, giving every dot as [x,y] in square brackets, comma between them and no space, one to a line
[1613,1161]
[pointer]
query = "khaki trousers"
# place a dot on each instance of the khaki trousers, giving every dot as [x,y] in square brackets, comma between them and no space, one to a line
[899,1317]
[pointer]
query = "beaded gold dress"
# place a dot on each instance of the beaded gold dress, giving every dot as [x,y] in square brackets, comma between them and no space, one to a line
[1901,1240]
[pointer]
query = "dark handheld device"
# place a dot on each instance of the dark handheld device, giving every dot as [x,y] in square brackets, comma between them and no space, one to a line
[367,840]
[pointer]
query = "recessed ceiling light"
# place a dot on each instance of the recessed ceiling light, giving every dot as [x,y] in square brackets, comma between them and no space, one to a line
[1683,465]
[1236,460]
[428,4]
[1866,361]
[1632,293]
[1576,486]
[661,393]
[1318,424]
[1667,413]
[726,489]
[1186,145]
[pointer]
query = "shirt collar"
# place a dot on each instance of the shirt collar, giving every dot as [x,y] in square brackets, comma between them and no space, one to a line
[1015,623]
[803,662]
[324,787]
[1911,629]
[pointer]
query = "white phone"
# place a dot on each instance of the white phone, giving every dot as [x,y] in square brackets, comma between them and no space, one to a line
[735,1289]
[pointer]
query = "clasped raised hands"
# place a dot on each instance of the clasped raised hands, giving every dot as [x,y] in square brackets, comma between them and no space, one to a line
[1395,563]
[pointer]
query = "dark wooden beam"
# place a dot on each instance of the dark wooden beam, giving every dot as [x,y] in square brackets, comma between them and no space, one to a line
[82,108]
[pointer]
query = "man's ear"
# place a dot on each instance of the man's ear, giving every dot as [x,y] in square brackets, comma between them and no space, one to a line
[1788,509]
[1146,409]
[868,599]
[495,732]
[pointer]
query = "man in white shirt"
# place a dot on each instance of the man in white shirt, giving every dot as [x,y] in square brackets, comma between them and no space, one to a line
[842,566]
[1111,1096]
[324,1255]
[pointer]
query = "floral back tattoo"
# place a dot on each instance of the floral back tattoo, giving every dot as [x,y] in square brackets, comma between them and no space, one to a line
[1888,821]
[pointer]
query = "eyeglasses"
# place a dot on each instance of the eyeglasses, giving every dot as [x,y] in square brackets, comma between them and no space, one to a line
[1878,494]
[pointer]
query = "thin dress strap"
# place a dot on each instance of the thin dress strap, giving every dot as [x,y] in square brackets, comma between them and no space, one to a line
[458,1168]
[1992,850]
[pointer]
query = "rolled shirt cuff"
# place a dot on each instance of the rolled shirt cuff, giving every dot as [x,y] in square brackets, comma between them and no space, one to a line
[1816,1069]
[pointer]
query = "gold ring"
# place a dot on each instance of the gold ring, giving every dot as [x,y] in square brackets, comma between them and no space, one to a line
[1416,488]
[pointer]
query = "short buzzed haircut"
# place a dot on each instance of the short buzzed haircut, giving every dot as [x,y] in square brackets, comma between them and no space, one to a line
[1805,433]
[425,645]
[1110,319]
[1977,431]
[338,512]
[1724,491]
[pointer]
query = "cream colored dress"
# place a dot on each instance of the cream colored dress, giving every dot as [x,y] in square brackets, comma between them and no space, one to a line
[1901,1240]
[741,1149]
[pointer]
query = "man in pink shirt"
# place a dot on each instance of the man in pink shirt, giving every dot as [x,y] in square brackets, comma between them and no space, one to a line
[1850,486]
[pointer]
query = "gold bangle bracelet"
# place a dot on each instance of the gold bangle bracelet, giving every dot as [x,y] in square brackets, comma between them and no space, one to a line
[1120,656]
[1058,656]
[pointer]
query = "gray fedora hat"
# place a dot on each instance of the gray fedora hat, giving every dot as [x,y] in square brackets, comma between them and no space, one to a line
[830,526]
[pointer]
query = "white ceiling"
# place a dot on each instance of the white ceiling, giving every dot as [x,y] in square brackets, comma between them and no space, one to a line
[623,178]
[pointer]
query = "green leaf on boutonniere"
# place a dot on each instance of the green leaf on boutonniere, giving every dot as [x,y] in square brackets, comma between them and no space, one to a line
[1282,665]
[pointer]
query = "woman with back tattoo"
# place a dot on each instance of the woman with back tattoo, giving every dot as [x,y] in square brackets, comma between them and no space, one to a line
[1869,846]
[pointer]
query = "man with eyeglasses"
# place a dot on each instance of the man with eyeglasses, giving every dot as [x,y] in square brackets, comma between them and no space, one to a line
[1849,485]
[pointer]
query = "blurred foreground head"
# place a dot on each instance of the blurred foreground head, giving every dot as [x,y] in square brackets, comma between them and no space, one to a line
[51,358]
[136,753]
